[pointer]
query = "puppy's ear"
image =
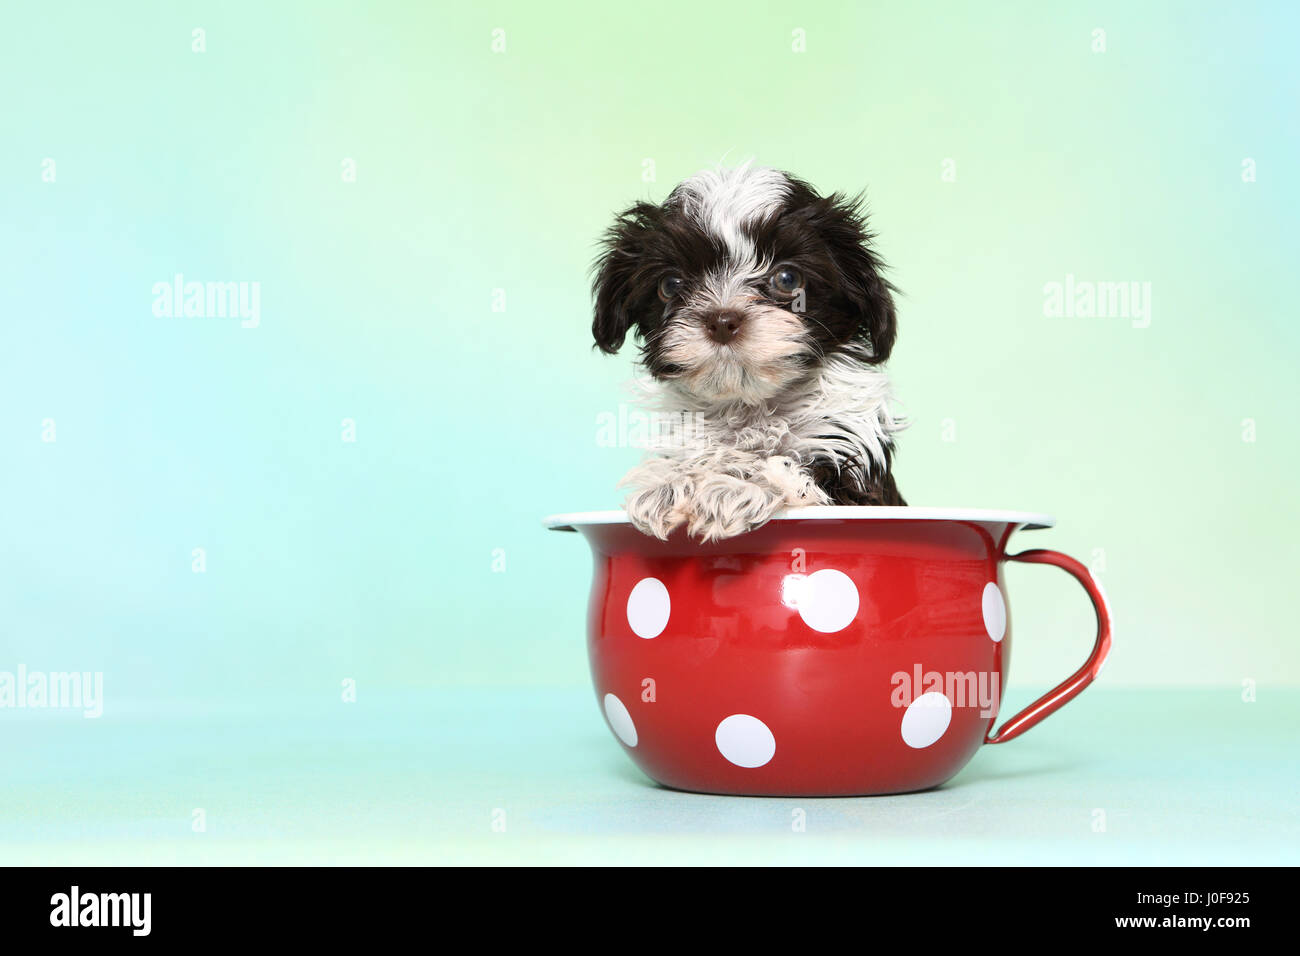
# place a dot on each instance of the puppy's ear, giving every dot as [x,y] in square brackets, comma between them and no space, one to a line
[618,285]
[860,278]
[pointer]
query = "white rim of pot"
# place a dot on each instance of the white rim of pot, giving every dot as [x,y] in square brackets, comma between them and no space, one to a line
[1028,520]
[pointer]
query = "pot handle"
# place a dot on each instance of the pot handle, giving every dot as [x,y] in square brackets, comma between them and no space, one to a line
[1068,689]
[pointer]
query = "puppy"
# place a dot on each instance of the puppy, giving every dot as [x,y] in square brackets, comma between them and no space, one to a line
[763,321]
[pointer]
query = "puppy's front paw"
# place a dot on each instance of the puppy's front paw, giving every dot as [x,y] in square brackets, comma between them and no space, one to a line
[794,486]
[657,510]
[724,506]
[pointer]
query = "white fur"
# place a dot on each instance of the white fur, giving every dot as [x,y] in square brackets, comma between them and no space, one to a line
[751,368]
[729,466]
[722,201]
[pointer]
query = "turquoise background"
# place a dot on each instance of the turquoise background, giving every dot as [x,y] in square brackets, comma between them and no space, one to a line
[412,560]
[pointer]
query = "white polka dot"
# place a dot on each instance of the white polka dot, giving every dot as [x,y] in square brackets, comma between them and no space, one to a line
[648,608]
[926,719]
[620,721]
[745,741]
[995,611]
[827,600]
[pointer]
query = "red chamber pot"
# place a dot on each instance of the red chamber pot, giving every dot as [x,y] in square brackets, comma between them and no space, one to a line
[833,651]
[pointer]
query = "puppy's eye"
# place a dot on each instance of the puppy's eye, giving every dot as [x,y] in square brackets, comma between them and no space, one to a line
[786,280]
[669,286]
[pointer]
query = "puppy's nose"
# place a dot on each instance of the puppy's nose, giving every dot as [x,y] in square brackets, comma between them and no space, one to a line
[724,324]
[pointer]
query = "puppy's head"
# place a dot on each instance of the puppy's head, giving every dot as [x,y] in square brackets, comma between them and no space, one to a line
[741,283]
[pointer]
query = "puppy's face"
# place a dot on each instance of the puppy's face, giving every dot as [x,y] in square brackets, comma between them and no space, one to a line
[740,283]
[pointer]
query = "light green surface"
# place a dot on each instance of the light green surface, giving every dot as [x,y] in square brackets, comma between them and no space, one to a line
[1182,777]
